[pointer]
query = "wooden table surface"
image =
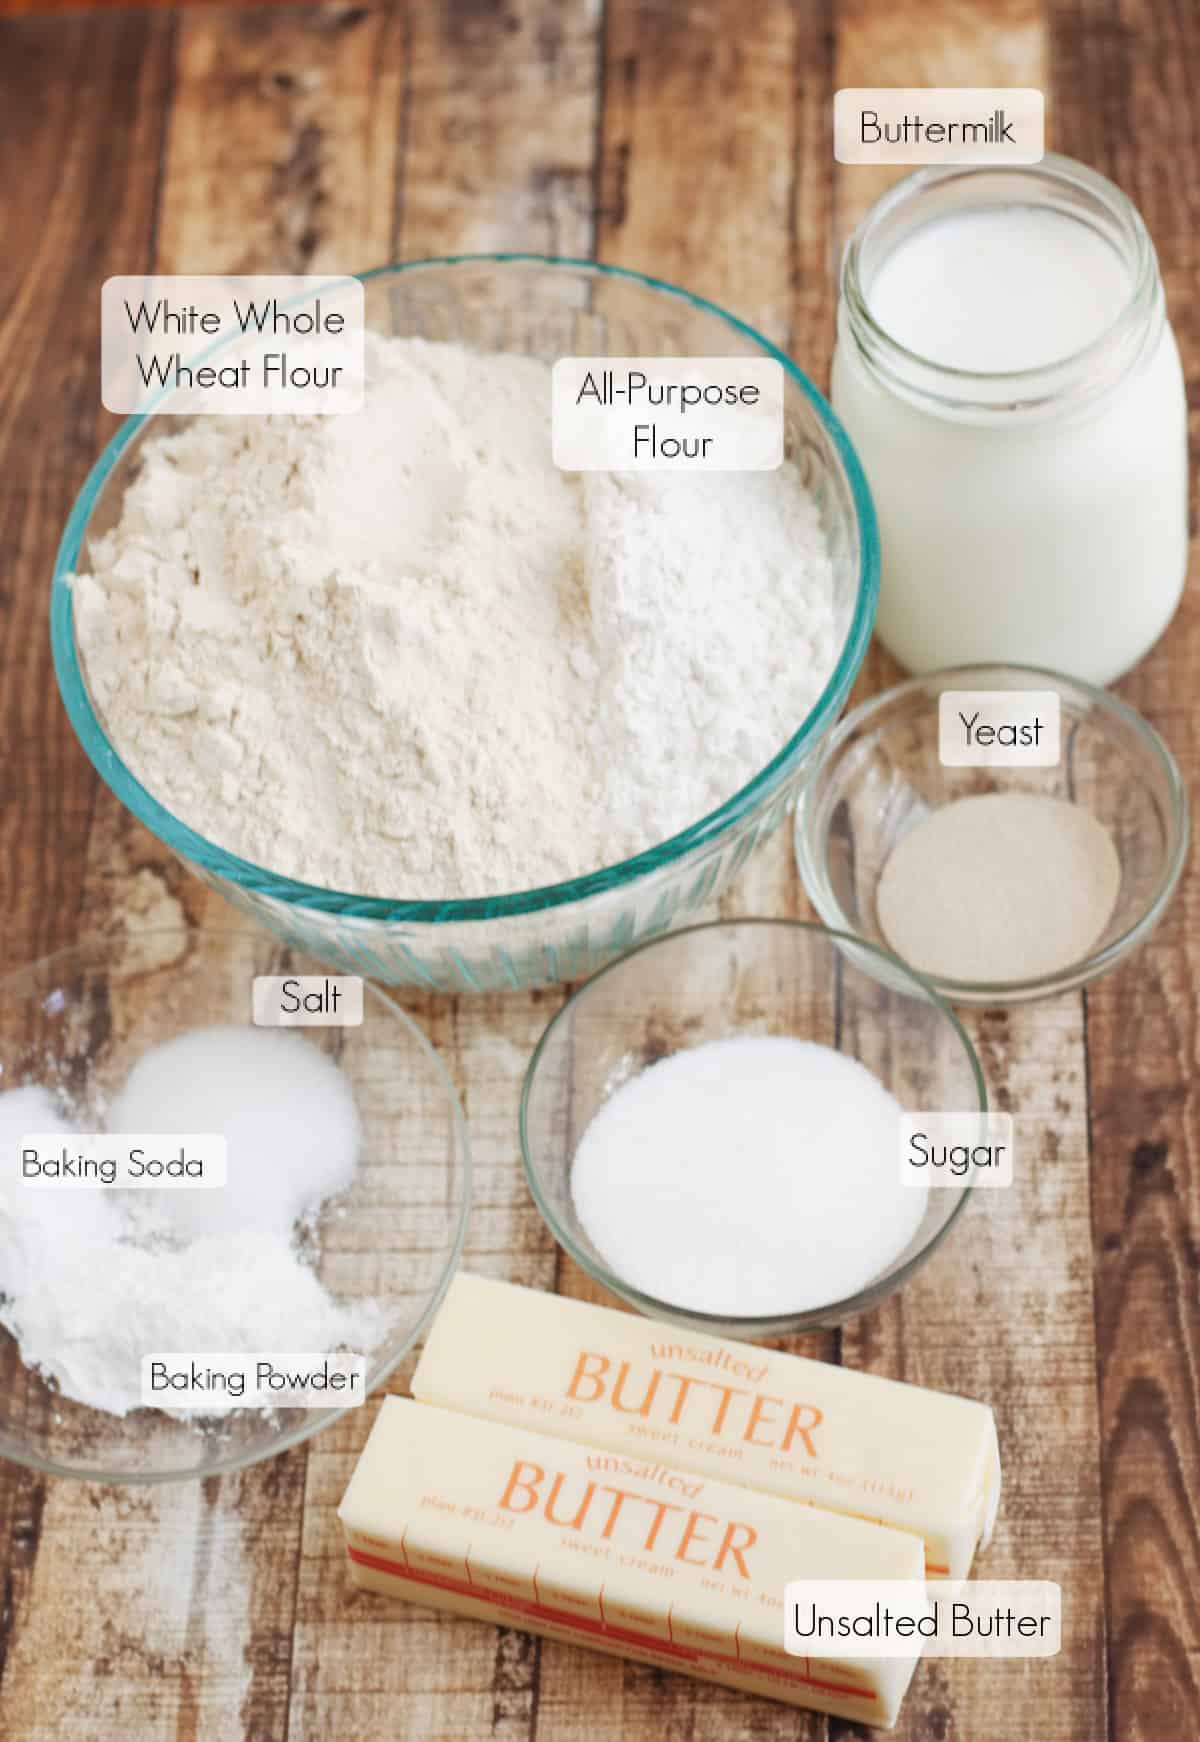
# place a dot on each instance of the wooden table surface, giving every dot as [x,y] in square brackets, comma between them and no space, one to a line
[691,140]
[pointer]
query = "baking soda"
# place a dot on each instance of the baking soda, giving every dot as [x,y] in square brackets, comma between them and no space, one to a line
[747,1177]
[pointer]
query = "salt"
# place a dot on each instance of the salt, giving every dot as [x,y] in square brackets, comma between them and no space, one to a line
[747,1177]
[284,1108]
[91,1280]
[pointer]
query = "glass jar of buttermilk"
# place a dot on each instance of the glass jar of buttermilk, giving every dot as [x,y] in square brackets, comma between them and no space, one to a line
[1006,371]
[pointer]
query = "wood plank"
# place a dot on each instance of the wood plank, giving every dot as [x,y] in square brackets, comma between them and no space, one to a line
[1123,79]
[65,87]
[713,166]
[476,176]
[88,102]
[17,8]
[501,122]
[281,156]
[1005,1311]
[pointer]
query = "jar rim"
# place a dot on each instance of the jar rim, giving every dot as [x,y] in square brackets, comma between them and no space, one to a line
[1080,376]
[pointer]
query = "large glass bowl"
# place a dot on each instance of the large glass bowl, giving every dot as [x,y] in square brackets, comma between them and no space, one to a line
[75,1023]
[545,308]
[732,978]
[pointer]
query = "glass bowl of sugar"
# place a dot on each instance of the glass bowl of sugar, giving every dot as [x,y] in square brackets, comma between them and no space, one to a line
[190,1203]
[711,1127]
[1002,882]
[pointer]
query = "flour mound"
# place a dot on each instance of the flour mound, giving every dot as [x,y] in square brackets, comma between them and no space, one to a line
[399,653]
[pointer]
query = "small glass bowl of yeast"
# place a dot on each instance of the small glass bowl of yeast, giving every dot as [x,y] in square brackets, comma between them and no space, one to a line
[880,776]
[378,1252]
[671,1003]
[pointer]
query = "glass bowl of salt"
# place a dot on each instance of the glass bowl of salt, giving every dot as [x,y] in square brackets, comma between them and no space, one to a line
[339,1222]
[711,1126]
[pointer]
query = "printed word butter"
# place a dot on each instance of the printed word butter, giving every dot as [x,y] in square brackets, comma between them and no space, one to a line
[920,1461]
[621,1553]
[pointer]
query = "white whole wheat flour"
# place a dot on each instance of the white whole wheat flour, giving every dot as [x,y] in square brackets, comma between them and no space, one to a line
[400,653]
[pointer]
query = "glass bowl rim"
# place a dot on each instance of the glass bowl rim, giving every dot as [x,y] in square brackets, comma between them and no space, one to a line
[313,897]
[1053,167]
[310,1422]
[758,1325]
[811,862]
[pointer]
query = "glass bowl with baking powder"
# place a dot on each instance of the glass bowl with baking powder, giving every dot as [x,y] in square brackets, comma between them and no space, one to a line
[543,308]
[228,1271]
[675,1003]
[879,779]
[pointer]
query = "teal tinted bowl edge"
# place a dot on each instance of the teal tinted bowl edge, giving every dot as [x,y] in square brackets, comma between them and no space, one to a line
[191,846]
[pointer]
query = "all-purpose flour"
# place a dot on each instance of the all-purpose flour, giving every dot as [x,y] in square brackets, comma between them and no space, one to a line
[399,653]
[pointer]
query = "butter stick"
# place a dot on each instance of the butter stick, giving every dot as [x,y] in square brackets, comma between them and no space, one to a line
[626,1555]
[922,1461]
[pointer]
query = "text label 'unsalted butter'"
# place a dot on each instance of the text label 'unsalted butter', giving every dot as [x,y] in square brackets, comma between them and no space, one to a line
[667,414]
[875,1618]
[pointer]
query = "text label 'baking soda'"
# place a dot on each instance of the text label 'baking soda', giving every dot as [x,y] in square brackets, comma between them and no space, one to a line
[956,1149]
[308,1001]
[667,414]
[206,1381]
[871,1618]
[999,728]
[940,124]
[178,346]
[122,1159]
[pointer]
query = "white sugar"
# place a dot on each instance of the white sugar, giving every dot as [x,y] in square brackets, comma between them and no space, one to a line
[747,1177]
